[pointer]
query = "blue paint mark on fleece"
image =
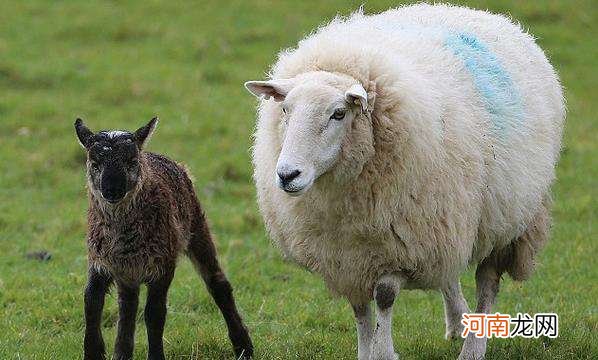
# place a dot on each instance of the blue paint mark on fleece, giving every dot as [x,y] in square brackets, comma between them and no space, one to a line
[491,80]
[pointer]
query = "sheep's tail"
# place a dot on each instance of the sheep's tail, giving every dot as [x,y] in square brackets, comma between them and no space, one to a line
[519,258]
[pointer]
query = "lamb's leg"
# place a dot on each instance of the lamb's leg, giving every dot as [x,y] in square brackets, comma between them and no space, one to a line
[487,284]
[202,253]
[385,292]
[95,292]
[365,330]
[128,300]
[155,314]
[454,307]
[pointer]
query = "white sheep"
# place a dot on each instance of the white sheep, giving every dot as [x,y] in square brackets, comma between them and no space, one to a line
[409,145]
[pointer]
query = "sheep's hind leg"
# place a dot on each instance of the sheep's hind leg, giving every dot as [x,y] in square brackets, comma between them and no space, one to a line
[155,314]
[487,284]
[128,300]
[385,292]
[454,307]
[365,330]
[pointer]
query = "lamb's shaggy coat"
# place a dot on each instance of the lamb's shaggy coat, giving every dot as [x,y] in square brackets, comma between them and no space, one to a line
[138,239]
[153,225]
[453,159]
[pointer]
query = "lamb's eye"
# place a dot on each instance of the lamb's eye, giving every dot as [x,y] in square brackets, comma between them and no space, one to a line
[284,110]
[95,166]
[338,114]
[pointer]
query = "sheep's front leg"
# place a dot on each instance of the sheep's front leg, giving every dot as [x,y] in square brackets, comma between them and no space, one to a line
[385,292]
[155,314]
[365,330]
[454,307]
[128,300]
[487,284]
[95,292]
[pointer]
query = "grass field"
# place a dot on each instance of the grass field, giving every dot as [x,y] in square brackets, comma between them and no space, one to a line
[117,65]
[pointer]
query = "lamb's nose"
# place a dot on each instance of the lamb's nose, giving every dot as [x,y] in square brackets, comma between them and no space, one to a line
[287,176]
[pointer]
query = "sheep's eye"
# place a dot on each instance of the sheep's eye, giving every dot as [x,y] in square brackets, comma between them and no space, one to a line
[95,165]
[284,110]
[338,114]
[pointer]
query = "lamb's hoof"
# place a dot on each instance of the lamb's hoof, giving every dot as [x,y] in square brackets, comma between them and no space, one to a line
[245,352]
[242,344]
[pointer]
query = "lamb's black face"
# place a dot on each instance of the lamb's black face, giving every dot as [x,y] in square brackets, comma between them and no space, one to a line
[113,167]
[113,164]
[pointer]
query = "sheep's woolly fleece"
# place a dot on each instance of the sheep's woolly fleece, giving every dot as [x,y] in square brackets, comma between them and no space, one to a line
[453,159]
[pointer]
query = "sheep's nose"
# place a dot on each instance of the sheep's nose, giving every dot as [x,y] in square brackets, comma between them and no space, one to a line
[287,176]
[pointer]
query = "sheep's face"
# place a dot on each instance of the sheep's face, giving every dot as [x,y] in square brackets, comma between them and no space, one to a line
[113,166]
[315,117]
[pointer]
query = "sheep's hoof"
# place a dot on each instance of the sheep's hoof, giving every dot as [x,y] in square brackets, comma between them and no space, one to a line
[470,356]
[454,333]
[389,356]
[473,350]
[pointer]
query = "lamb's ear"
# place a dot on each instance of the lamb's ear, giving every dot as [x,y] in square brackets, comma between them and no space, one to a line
[144,133]
[357,95]
[84,135]
[276,89]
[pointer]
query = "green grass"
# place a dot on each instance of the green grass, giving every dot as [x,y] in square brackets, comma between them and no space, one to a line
[117,65]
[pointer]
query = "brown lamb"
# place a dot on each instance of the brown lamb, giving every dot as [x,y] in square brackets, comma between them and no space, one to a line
[143,213]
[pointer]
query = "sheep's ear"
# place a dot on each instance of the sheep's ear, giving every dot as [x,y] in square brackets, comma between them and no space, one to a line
[84,135]
[144,133]
[277,89]
[357,95]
